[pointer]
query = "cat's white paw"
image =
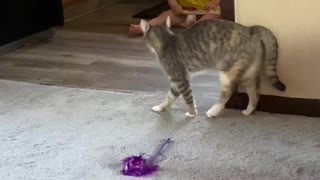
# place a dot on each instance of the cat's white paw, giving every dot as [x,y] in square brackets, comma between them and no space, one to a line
[247,112]
[214,111]
[157,108]
[188,114]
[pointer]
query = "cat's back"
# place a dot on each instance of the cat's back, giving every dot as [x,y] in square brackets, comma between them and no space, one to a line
[214,44]
[209,28]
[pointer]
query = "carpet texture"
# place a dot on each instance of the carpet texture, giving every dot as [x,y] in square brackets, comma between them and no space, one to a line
[63,133]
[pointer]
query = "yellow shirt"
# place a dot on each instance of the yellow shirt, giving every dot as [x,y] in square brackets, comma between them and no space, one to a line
[197,4]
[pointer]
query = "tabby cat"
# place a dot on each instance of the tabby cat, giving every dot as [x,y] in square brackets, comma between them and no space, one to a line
[239,53]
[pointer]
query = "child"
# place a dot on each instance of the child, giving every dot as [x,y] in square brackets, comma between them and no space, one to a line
[180,9]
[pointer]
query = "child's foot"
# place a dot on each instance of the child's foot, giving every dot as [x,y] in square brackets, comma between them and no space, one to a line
[135,30]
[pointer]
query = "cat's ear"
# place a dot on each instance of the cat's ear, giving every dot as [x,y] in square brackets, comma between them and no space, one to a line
[144,25]
[168,22]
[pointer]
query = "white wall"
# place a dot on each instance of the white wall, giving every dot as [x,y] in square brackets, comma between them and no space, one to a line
[297,27]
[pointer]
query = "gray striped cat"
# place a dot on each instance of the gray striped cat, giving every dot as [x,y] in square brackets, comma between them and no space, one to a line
[239,53]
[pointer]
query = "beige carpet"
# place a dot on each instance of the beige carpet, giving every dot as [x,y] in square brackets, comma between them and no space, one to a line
[60,133]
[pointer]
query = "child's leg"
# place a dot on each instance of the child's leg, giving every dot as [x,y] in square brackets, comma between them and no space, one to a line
[176,21]
[209,16]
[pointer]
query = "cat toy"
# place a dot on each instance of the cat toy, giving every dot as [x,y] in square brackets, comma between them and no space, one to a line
[141,166]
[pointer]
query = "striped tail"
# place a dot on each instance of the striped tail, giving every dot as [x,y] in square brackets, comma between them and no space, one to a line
[270,44]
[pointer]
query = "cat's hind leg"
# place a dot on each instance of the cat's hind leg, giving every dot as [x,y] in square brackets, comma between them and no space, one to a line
[252,90]
[250,80]
[227,84]
[171,96]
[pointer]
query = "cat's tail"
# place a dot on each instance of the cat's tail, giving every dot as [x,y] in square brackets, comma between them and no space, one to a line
[270,45]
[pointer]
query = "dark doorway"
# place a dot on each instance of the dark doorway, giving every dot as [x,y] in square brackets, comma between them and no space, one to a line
[22,18]
[227,10]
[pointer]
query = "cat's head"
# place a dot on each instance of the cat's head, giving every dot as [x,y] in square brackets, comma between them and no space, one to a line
[156,36]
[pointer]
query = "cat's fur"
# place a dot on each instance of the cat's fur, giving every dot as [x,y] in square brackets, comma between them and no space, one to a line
[239,53]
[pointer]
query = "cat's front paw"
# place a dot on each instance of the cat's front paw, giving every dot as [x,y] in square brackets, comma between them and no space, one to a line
[157,108]
[188,114]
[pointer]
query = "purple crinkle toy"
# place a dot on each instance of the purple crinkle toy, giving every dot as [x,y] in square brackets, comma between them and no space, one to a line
[141,166]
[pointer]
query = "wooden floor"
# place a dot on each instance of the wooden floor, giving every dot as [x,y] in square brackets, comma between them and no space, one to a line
[93,51]
[112,17]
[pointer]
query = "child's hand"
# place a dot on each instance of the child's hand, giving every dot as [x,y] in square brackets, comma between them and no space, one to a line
[212,5]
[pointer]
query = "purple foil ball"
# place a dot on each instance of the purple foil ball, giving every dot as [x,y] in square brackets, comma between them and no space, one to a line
[137,166]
